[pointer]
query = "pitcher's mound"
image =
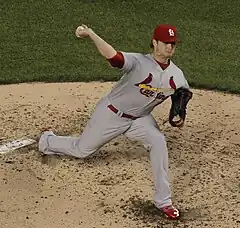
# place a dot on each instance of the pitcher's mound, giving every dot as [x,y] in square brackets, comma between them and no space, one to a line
[114,187]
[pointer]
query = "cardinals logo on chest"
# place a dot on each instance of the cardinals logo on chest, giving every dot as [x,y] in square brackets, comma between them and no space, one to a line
[147,90]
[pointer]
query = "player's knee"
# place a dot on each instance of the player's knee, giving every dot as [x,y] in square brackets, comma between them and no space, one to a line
[81,155]
[83,151]
[157,138]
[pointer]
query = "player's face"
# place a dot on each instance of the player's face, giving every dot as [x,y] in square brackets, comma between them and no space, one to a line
[164,49]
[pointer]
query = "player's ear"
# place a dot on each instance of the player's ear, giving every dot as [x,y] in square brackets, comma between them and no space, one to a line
[151,44]
[154,43]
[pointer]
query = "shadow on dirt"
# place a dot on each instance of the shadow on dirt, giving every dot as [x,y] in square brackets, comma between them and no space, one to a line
[144,210]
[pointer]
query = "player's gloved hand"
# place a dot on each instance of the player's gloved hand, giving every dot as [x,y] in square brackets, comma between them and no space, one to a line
[180,100]
[83,31]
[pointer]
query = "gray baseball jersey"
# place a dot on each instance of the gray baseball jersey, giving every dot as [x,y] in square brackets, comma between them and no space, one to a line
[144,84]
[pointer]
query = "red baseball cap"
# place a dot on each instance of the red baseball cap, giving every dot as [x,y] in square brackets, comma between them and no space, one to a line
[165,33]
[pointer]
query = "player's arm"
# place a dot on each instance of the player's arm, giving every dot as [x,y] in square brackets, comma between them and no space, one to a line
[115,58]
[105,49]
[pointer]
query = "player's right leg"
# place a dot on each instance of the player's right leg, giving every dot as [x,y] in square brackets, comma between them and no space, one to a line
[103,126]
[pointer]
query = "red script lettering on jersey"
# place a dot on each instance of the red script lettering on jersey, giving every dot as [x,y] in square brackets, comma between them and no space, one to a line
[148,92]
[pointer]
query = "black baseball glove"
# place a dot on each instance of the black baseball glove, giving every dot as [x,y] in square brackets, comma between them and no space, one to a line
[180,99]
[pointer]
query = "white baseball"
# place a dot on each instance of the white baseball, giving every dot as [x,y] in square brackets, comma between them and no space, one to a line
[80,28]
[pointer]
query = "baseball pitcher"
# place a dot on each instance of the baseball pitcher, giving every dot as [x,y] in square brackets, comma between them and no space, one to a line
[147,80]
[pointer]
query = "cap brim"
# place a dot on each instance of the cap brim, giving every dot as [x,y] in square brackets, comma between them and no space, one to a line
[174,39]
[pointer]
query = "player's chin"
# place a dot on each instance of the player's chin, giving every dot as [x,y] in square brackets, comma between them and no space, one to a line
[168,54]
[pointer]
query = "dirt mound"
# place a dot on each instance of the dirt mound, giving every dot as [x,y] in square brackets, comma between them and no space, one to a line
[114,188]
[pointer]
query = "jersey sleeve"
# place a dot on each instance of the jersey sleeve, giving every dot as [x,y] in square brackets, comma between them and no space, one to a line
[130,61]
[182,81]
[117,60]
[124,61]
[185,84]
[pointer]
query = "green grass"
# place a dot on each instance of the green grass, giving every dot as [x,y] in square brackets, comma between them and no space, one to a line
[37,38]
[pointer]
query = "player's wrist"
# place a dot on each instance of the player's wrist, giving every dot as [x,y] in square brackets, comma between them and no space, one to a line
[91,34]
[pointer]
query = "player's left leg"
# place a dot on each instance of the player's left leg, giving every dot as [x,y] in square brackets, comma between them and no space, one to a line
[147,131]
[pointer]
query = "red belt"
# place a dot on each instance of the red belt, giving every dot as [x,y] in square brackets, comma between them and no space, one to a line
[121,114]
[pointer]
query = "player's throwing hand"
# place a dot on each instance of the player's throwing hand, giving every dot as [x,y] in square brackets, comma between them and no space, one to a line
[83,31]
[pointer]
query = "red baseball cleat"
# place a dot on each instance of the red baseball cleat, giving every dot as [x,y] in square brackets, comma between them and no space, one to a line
[170,212]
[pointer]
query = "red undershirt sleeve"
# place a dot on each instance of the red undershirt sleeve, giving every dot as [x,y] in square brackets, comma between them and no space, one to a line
[117,60]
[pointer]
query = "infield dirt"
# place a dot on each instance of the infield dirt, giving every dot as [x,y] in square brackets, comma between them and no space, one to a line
[114,188]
